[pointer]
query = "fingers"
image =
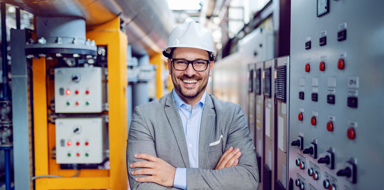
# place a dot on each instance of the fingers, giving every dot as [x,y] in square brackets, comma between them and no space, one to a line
[233,160]
[143,164]
[229,158]
[143,172]
[146,157]
[146,179]
[225,154]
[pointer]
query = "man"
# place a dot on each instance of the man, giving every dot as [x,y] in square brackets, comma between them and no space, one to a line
[188,139]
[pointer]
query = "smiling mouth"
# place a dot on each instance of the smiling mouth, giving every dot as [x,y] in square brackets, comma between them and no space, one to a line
[189,82]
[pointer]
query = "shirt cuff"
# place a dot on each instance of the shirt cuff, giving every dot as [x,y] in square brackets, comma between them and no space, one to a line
[180,180]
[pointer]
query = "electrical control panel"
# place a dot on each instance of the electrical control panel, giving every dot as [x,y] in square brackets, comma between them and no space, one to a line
[80,90]
[336,106]
[80,140]
[251,101]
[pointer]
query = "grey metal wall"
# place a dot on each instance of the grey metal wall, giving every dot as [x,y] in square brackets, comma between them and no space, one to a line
[361,78]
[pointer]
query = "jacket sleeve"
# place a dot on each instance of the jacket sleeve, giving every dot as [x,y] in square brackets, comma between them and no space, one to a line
[242,176]
[140,140]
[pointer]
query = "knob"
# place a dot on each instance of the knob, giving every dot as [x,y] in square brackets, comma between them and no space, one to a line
[324,160]
[322,66]
[315,175]
[310,171]
[326,184]
[302,186]
[345,172]
[295,143]
[302,165]
[297,182]
[301,116]
[313,120]
[307,68]
[308,150]
[298,161]
[333,187]
[340,64]
[330,126]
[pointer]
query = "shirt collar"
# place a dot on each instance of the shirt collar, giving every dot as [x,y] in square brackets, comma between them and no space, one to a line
[180,102]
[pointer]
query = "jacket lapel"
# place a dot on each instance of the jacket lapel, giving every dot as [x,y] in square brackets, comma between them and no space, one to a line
[177,127]
[206,130]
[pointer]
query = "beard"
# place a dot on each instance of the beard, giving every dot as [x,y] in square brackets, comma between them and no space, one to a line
[189,92]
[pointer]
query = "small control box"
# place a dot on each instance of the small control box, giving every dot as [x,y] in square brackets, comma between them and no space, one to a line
[80,140]
[80,90]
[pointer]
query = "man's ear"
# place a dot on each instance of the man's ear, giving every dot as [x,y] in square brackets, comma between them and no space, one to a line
[169,66]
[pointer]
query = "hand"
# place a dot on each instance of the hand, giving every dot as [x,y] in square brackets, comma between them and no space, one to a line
[159,171]
[229,158]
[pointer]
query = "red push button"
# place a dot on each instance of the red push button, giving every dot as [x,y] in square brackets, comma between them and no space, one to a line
[340,64]
[330,126]
[322,66]
[301,116]
[77,103]
[78,143]
[351,133]
[313,120]
[76,92]
[307,67]
[87,92]
[77,154]
[86,143]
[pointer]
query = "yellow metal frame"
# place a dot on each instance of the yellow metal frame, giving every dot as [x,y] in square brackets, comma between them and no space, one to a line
[115,178]
[156,60]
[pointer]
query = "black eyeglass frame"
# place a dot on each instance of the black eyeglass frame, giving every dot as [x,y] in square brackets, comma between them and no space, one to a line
[189,62]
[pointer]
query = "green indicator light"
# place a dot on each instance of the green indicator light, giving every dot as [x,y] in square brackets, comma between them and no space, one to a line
[69,154]
[87,103]
[86,155]
[68,103]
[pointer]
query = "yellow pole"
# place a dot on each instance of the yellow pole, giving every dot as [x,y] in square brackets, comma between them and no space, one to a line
[156,60]
[40,119]
[116,41]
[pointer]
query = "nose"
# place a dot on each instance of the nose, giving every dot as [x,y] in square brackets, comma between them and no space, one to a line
[190,71]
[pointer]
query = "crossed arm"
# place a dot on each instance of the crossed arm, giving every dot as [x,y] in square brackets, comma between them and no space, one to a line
[232,171]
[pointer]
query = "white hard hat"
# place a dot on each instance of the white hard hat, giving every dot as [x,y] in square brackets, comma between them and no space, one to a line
[192,35]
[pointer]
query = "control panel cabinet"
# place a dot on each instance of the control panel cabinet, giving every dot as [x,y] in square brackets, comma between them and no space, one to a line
[80,140]
[80,90]
[251,101]
[282,122]
[269,123]
[336,106]
[259,119]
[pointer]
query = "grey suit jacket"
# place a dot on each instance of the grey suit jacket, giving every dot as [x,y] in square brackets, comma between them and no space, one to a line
[156,129]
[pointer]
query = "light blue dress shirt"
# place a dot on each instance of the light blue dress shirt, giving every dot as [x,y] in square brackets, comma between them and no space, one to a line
[191,120]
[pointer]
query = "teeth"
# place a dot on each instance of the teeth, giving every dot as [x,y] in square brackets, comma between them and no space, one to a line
[189,81]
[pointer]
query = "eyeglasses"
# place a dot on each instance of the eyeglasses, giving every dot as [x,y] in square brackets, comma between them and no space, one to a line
[197,64]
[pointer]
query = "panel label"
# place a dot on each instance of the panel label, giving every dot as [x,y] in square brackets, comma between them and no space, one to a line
[284,108]
[269,102]
[315,113]
[280,134]
[268,122]
[353,92]
[331,118]
[352,123]
[342,26]
[323,33]
[331,91]
[353,82]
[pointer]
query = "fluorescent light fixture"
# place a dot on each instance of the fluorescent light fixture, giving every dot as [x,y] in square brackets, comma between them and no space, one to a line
[184,4]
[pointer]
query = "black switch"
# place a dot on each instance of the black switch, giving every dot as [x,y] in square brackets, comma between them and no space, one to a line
[308,150]
[61,91]
[308,45]
[331,99]
[352,102]
[301,95]
[314,97]
[295,143]
[342,35]
[345,172]
[62,142]
[324,160]
[323,41]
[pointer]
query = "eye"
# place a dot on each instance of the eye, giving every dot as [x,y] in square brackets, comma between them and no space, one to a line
[180,62]
[201,62]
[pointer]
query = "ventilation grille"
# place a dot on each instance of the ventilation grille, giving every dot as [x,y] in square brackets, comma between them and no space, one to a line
[267,82]
[281,83]
[250,81]
[258,82]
